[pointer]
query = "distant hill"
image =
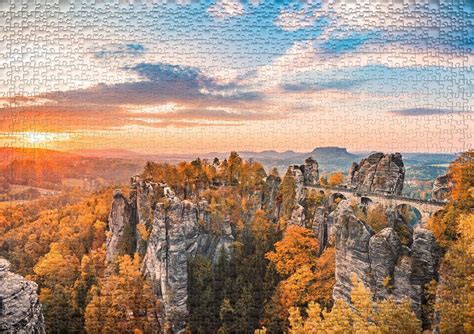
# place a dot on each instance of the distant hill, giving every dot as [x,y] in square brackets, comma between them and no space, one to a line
[332,153]
[48,168]
[107,153]
[10,154]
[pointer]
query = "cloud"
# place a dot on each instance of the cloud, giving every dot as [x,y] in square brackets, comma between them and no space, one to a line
[161,83]
[423,111]
[87,117]
[120,50]
[293,20]
[222,9]
[320,86]
[393,34]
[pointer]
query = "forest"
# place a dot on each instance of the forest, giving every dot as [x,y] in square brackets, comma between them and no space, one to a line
[276,280]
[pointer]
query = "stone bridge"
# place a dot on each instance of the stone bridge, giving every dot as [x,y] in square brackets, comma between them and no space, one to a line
[425,208]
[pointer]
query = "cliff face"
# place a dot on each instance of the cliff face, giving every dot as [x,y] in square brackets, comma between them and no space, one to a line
[176,231]
[394,262]
[20,309]
[379,173]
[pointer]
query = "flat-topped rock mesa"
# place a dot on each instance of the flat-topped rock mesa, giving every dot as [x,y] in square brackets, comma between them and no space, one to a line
[378,173]
[442,187]
[20,309]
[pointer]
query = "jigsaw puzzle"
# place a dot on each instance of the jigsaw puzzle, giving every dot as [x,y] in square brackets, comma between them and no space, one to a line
[231,166]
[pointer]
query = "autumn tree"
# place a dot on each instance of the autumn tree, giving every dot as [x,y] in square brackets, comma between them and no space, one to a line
[308,277]
[444,224]
[335,179]
[376,218]
[363,316]
[455,295]
[56,273]
[123,302]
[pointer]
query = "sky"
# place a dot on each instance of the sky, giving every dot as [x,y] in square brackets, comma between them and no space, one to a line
[202,76]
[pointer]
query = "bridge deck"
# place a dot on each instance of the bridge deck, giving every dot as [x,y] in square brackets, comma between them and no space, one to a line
[386,197]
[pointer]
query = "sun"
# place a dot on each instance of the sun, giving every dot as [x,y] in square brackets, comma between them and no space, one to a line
[43,137]
[36,137]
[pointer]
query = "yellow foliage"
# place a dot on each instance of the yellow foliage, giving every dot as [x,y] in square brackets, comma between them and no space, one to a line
[123,302]
[142,230]
[455,292]
[308,277]
[364,316]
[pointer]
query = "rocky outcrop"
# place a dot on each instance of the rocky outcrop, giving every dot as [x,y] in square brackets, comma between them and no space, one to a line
[379,173]
[297,216]
[310,172]
[269,195]
[177,231]
[122,226]
[352,251]
[172,240]
[297,174]
[385,262]
[442,188]
[323,227]
[20,309]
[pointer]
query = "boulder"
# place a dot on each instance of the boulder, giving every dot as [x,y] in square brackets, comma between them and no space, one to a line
[178,230]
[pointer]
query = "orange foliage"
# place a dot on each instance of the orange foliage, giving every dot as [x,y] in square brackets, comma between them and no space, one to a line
[336,179]
[308,277]
[298,248]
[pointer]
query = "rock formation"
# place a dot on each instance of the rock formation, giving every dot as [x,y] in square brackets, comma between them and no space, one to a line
[122,225]
[442,187]
[269,195]
[177,231]
[20,309]
[379,173]
[383,261]
[310,172]
[323,227]
[296,172]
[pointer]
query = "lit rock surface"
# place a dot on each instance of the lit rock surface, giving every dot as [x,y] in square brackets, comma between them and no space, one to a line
[20,309]
[378,173]
[382,261]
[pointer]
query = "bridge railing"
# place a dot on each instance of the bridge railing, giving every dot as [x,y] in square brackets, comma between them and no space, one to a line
[375,194]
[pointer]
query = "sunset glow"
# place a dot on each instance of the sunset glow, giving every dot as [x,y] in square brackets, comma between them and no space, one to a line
[242,76]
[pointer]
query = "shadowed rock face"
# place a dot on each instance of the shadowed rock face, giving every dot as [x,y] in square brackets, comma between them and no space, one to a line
[385,263]
[20,309]
[442,187]
[269,195]
[379,173]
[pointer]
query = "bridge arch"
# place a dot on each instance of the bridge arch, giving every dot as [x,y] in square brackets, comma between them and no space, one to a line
[411,214]
[335,196]
[366,200]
